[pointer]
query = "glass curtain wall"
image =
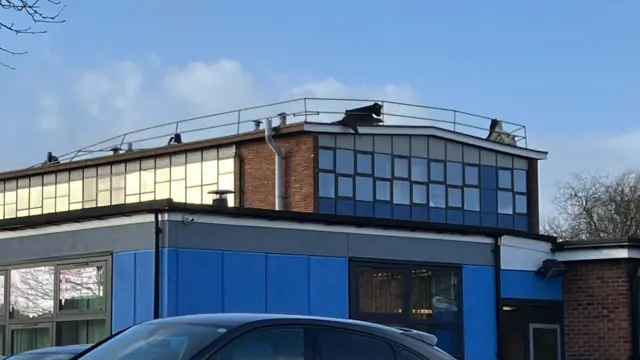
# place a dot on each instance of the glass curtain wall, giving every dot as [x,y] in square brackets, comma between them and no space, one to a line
[54,303]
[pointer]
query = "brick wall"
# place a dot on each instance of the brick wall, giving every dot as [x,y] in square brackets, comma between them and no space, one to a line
[258,173]
[597,311]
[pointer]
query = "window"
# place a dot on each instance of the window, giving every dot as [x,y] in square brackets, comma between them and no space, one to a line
[505,202]
[520,181]
[363,163]
[364,188]
[419,169]
[437,171]
[326,186]
[342,345]
[401,192]
[419,194]
[325,161]
[454,197]
[454,173]
[521,204]
[82,288]
[401,167]
[380,289]
[267,344]
[345,186]
[504,179]
[80,332]
[472,199]
[403,354]
[437,196]
[344,161]
[382,166]
[31,292]
[383,190]
[471,175]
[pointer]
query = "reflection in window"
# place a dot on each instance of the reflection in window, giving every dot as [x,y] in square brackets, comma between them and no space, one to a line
[433,290]
[263,344]
[26,339]
[363,162]
[505,202]
[380,290]
[325,161]
[520,181]
[401,167]
[383,190]
[326,186]
[472,199]
[382,165]
[333,344]
[454,173]
[401,192]
[31,292]
[419,169]
[345,186]
[437,196]
[471,175]
[80,332]
[419,194]
[82,288]
[437,171]
[454,197]
[344,161]
[504,179]
[364,188]
[521,204]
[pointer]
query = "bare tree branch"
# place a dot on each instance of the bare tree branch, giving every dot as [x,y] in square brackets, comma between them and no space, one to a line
[25,14]
[594,206]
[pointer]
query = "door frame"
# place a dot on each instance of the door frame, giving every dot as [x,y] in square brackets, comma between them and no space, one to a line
[555,327]
[11,328]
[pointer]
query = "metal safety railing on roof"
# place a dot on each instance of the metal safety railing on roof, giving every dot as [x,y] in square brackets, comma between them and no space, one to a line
[316,110]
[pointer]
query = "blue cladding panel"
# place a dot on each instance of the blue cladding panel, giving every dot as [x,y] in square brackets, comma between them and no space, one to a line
[345,207]
[505,221]
[419,213]
[329,286]
[287,284]
[472,218]
[364,208]
[132,288]
[402,212]
[488,177]
[521,223]
[529,285]
[244,282]
[455,216]
[326,206]
[383,210]
[199,281]
[479,301]
[437,215]
[489,219]
[489,201]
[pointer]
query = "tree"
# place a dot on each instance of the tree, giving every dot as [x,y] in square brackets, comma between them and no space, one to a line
[20,17]
[596,206]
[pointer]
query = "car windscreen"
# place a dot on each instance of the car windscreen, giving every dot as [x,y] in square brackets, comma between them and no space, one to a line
[158,341]
[42,356]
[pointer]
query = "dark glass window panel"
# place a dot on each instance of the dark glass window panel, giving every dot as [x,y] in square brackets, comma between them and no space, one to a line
[419,194]
[471,175]
[326,185]
[520,181]
[383,190]
[437,195]
[380,290]
[472,199]
[419,169]
[437,171]
[454,173]
[401,167]
[344,161]
[454,196]
[505,202]
[521,204]
[504,179]
[401,192]
[364,188]
[342,345]
[382,166]
[345,186]
[364,163]
[325,159]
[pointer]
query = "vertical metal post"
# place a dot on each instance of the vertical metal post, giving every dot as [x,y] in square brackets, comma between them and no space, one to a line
[238,127]
[305,109]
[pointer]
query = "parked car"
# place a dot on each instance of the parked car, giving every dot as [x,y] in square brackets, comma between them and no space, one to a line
[265,337]
[51,353]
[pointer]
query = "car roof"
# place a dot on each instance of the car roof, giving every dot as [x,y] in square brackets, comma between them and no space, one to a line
[68,349]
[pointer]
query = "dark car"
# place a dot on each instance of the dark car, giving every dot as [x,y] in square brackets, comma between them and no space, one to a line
[265,337]
[51,353]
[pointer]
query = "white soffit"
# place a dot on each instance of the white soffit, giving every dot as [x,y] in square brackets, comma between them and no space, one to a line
[524,254]
[597,254]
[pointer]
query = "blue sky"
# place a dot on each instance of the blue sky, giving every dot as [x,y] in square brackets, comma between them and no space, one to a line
[569,70]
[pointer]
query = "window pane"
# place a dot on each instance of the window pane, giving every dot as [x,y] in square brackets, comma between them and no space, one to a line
[364,163]
[325,161]
[437,195]
[471,199]
[342,345]
[267,344]
[454,173]
[31,292]
[401,192]
[364,188]
[382,165]
[380,290]
[471,175]
[326,186]
[520,180]
[505,202]
[401,167]
[437,171]
[345,186]
[344,161]
[521,204]
[80,332]
[455,197]
[429,286]
[82,288]
[383,190]
[504,179]
[419,169]
[419,194]
[30,339]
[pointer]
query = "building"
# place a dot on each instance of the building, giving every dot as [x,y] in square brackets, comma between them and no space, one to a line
[410,225]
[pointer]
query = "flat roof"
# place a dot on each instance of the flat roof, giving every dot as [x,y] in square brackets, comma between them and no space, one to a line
[168,206]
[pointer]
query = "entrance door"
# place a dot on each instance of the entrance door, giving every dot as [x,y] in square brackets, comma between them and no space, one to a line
[30,337]
[544,342]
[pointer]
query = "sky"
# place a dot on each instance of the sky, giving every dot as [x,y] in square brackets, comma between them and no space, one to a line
[568,70]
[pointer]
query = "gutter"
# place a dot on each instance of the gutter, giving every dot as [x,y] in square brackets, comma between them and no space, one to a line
[497,274]
[156,265]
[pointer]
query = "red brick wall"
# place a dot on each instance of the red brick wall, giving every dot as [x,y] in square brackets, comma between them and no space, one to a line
[597,311]
[258,173]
